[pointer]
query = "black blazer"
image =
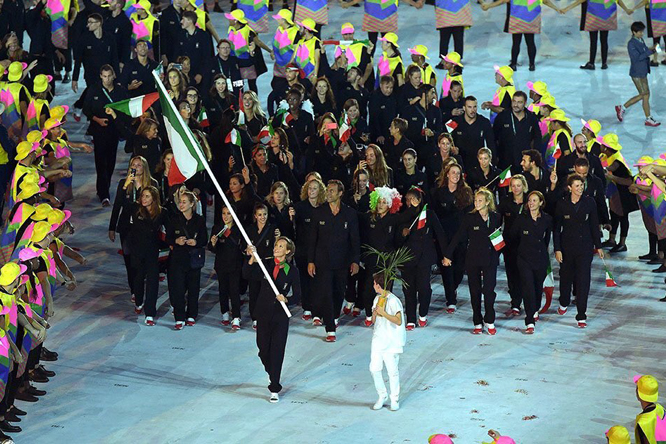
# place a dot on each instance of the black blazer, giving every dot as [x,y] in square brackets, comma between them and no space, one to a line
[476,233]
[532,238]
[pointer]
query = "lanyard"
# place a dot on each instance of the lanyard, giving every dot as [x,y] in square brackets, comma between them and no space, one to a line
[106,93]
[513,124]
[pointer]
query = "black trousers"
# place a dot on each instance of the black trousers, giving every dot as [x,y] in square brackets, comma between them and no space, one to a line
[453,275]
[306,283]
[603,37]
[184,282]
[229,289]
[515,47]
[417,291]
[481,281]
[531,281]
[331,287]
[272,332]
[619,221]
[575,269]
[254,286]
[68,60]
[146,281]
[512,276]
[127,258]
[106,147]
[445,34]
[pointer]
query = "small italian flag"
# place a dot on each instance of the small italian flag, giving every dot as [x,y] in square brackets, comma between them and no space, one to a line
[233,137]
[345,127]
[548,288]
[187,154]
[497,239]
[421,223]
[265,134]
[203,118]
[451,125]
[558,152]
[610,281]
[505,178]
[135,106]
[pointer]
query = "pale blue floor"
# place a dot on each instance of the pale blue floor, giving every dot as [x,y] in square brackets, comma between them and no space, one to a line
[120,381]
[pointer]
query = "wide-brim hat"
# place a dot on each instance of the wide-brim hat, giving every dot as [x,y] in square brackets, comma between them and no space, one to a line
[28,190]
[347,28]
[538,87]
[41,83]
[309,24]
[286,15]
[505,71]
[420,50]
[10,272]
[611,141]
[618,435]
[557,115]
[390,37]
[593,125]
[452,57]
[237,15]
[15,71]
[51,123]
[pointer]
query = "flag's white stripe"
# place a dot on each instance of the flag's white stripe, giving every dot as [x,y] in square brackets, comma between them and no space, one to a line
[136,106]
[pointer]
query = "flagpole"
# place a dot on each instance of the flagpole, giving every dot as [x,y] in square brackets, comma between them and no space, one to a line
[488,184]
[203,159]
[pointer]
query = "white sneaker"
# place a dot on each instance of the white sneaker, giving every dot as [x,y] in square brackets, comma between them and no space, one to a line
[149,321]
[235,324]
[337,321]
[254,324]
[395,405]
[274,398]
[651,122]
[225,318]
[380,402]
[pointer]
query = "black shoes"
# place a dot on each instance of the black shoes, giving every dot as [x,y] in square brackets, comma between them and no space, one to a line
[7,427]
[648,257]
[532,67]
[604,66]
[661,269]
[48,355]
[513,66]
[48,373]
[11,417]
[27,397]
[588,65]
[619,248]
[35,391]
[66,79]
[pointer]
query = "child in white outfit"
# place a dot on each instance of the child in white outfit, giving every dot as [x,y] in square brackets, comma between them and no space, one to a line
[388,339]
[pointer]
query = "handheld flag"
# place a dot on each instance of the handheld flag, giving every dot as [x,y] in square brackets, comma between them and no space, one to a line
[505,178]
[451,125]
[203,118]
[422,218]
[265,134]
[548,287]
[345,127]
[497,239]
[135,106]
[610,281]
[233,137]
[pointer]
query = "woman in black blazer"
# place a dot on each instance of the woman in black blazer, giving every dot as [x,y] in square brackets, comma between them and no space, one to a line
[482,259]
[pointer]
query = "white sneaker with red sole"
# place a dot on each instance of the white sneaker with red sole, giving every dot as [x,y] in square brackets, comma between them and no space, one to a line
[562,310]
[330,337]
[423,322]
[307,315]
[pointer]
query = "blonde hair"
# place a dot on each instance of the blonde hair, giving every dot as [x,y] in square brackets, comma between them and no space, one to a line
[490,198]
[278,185]
[146,178]
[256,106]
[522,180]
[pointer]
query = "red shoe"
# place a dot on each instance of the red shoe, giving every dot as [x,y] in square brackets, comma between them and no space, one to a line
[492,331]
[529,330]
[179,325]
[357,312]
[150,322]
[536,316]
[562,310]
[225,323]
[423,323]
[138,309]
[133,299]
[619,112]
[190,322]
[410,327]
[316,322]
[306,316]
[582,324]
[77,116]
[478,329]
[330,337]
[347,309]
[368,322]
[451,309]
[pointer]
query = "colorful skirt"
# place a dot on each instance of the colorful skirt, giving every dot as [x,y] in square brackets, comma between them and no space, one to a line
[656,21]
[5,364]
[378,19]
[450,13]
[317,10]
[598,18]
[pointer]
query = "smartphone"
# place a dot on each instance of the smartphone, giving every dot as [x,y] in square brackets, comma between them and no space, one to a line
[133,171]
[178,66]
[331,125]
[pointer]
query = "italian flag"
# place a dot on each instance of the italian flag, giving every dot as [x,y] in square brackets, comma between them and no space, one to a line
[505,178]
[610,281]
[497,239]
[345,128]
[135,106]
[241,110]
[265,134]
[548,287]
[558,152]
[233,137]
[203,118]
[187,153]
[422,218]
[451,125]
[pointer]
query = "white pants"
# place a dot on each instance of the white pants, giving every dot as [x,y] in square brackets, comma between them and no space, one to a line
[377,362]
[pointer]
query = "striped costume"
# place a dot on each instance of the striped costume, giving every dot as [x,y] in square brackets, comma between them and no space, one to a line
[58,12]
[317,10]
[380,16]
[256,13]
[599,15]
[655,13]
[524,17]
[283,48]
[450,13]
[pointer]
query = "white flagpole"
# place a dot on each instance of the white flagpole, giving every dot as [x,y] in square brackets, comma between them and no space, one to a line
[203,159]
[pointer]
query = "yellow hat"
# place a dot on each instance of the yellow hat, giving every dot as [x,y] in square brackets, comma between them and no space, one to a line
[58,217]
[452,57]
[391,38]
[538,87]
[23,149]
[51,123]
[420,50]
[644,160]
[648,387]
[557,114]
[15,71]
[40,230]
[505,71]
[36,135]
[237,15]
[59,111]
[547,99]
[347,28]
[28,190]
[611,141]
[42,212]
[618,435]
[10,272]
[41,83]
[284,14]
[309,24]
[592,125]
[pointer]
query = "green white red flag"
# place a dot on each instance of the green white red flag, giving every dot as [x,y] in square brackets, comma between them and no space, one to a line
[135,106]
[505,178]
[497,239]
